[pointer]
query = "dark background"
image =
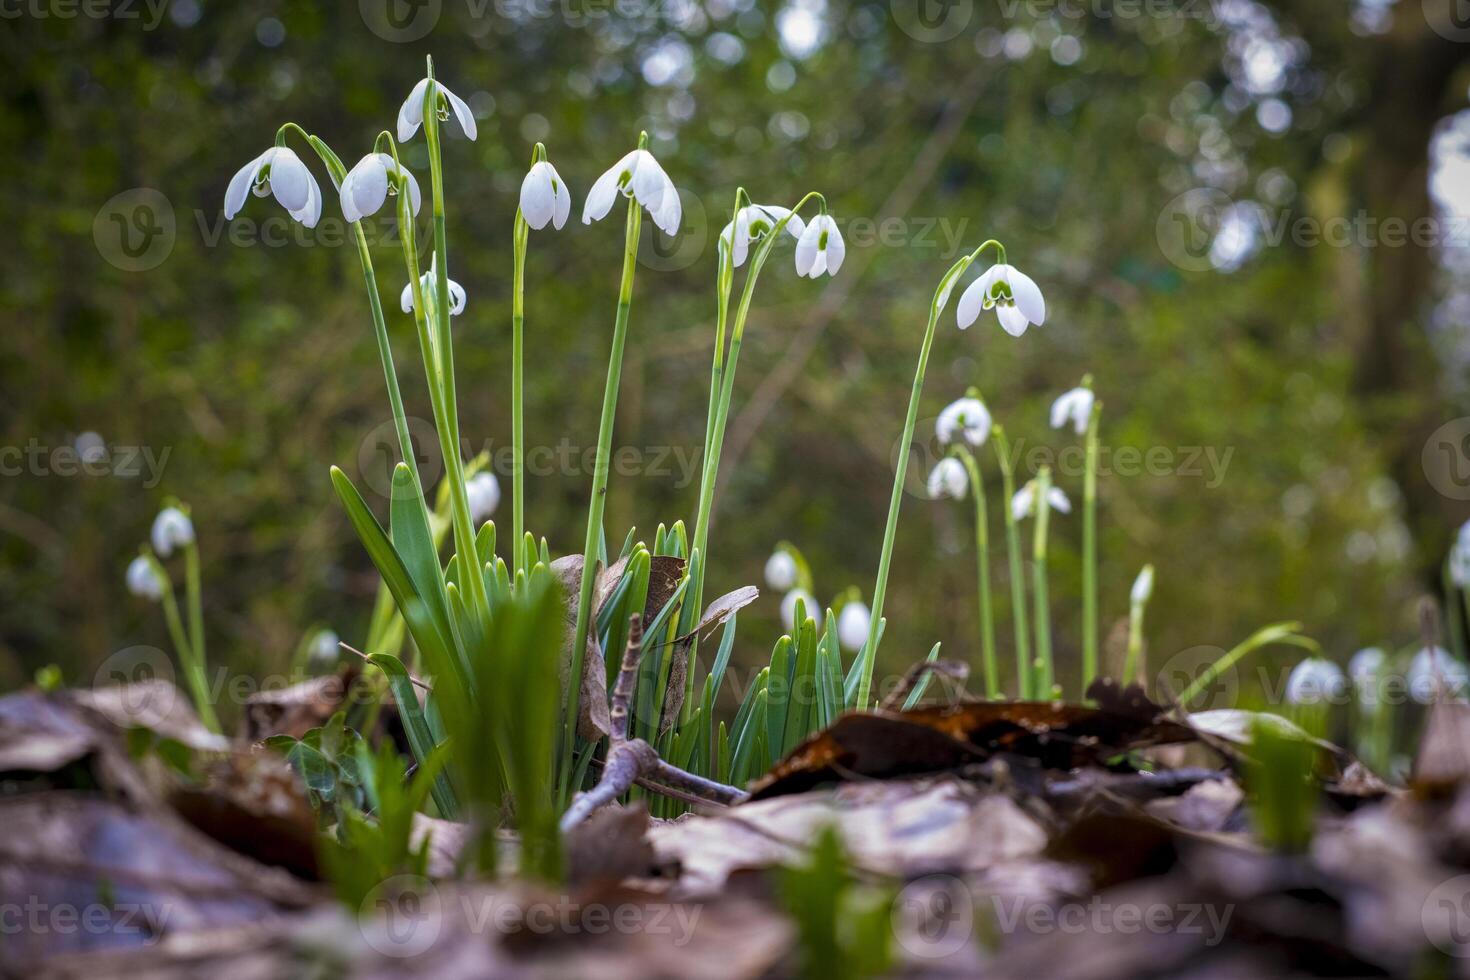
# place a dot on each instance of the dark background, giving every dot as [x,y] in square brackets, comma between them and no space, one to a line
[1319,368]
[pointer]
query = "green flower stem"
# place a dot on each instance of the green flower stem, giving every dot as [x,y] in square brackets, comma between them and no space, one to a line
[1089,552]
[599,494]
[194,593]
[1013,556]
[1135,641]
[1045,674]
[517,421]
[982,560]
[869,655]
[188,654]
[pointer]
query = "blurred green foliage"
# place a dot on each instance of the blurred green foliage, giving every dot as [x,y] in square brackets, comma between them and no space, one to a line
[1268,483]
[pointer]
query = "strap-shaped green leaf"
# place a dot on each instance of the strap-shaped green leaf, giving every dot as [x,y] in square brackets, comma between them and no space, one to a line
[416,727]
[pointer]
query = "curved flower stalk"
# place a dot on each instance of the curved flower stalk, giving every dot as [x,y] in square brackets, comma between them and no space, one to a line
[1083,412]
[965,425]
[545,199]
[640,178]
[761,226]
[862,676]
[1038,498]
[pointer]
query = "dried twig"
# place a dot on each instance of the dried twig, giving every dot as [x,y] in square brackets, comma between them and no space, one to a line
[632,761]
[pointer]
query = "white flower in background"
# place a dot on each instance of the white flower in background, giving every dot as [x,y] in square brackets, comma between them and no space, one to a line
[1366,668]
[1316,681]
[780,571]
[1460,558]
[754,222]
[484,493]
[411,113]
[852,625]
[144,580]
[1434,673]
[1014,296]
[639,176]
[788,608]
[1023,504]
[171,529]
[91,448]
[427,284]
[369,183]
[544,197]
[278,171]
[1143,586]
[324,650]
[948,479]
[1074,406]
[820,248]
[966,418]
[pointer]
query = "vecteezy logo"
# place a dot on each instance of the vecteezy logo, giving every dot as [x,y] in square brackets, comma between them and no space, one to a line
[135,230]
[400,21]
[663,253]
[138,665]
[380,451]
[1179,673]
[401,916]
[1450,19]
[1445,916]
[1187,227]
[934,916]
[1446,459]
[932,21]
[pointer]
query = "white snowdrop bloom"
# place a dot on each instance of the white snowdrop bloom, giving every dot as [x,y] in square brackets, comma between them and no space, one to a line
[780,571]
[948,479]
[788,609]
[544,197]
[965,418]
[852,625]
[1143,586]
[820,248]
[1315,681]
[1074,406]
[457,298]
[1013,294]
[144,580]
[754,222]
[171,529]
[1460,559]
[278,171]
[411,113]
[324,650]
[1366,669]
[639,176]
[1434,673]
[1023,504]
[370,182]
[484,493]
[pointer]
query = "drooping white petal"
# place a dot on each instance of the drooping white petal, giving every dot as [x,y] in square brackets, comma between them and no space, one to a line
[365,188]
[1315,681]
[310,212]
[562,200]
[1143,586]
[290,180]
[806,248]
[239,190]
[1012,319]
[987,282]
[483,491]
[538,198]
[1057,499]
[171,529]
[1073,406]
[604,190]
[948,479]
[740,238]
[1027,295]
[649,183]
[852,625]
[411,113]
[809,604]
[780,571]
[415,199]
[461,112]
[457,298]
[971,301]
[143,580]
[836,247]
[965,418]
[670,212]
[405,299]
[1023,502]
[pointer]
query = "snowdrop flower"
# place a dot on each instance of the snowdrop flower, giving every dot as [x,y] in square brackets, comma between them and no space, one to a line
[788,608]
[820,248]
[411,113]
[639,176]
[852,625]
[1023,504]
[966,418]
[171,529]
[1315,681]
[1460,558]
[1433,672]
[1366,669]
[427,284]
[277,171]
[324,650]
[144,580]
[484,493]
[948,479]
[754,222]
[1076,406]
[1014,296]
[369,183]
[1143,586]
[781,571]
[544,197]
